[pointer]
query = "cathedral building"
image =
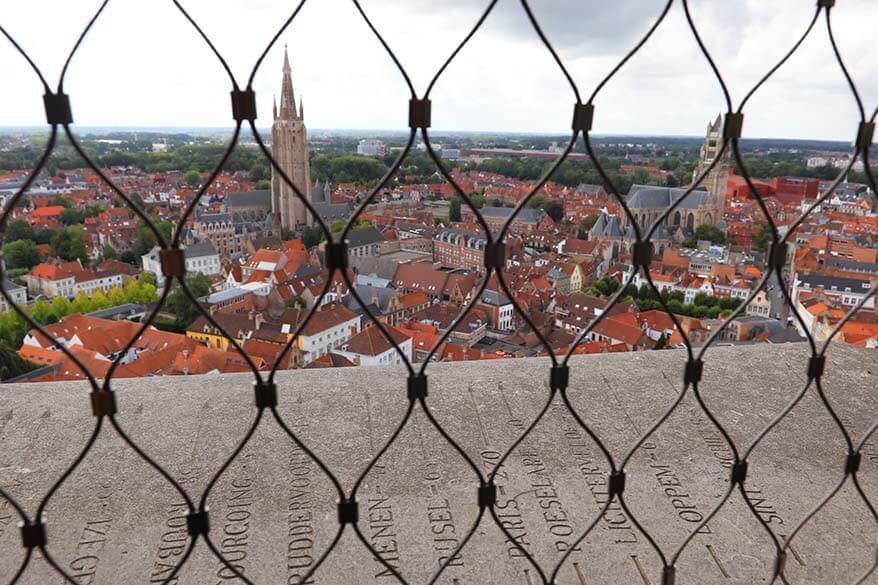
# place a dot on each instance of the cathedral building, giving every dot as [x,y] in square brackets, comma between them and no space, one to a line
[289,146]
[703,206]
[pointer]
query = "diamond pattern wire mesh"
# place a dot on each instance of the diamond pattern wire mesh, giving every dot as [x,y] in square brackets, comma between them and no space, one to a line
[102,398]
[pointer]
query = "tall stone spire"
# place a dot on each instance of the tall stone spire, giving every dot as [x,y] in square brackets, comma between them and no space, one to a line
[289,147]
[287,97]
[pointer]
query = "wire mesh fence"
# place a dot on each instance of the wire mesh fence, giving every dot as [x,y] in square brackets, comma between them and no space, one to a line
[484,498]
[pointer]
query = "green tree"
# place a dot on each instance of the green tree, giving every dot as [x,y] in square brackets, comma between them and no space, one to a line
[191,178]
[136,200]
[555,210]
[312,235]
[40,312]
[43,235]
[99,301]
[80,303]
[179,303]
[338,225]
[109,252]
[604,287]
[93,210]
[698,311]
[13,328]
[704,299]
[259,172]
[763,238]
[69,244]
[116,295]
[537,202]
[676,307]
[61,306]
[145,240]
[729,303]
[142,292]
[18,229]
[710,233]
[454,209]
[263,184]
[296,302]
[641,177]
[21,254]
[71,216]
[166,229]
[60,200]
[477,199]
[661,343]
[11,364]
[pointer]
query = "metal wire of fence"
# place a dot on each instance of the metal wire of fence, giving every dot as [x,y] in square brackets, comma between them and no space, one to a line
[102,398]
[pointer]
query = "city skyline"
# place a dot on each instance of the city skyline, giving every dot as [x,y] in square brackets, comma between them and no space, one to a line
[666,90]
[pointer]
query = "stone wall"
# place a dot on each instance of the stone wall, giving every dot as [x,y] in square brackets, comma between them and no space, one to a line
[116,520]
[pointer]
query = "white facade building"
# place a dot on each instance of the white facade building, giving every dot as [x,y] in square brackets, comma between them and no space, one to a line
[201,257]
[371,147]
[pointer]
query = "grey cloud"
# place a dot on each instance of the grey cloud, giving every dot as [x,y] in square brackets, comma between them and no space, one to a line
[576,27]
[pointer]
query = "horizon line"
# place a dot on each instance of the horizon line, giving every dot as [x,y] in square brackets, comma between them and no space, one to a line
[436,132]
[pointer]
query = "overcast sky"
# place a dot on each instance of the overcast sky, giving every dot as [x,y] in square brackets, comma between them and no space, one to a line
[143,65]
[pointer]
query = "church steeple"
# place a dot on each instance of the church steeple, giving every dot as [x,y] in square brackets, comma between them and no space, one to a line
[289,147]
[274,108]
[287,97]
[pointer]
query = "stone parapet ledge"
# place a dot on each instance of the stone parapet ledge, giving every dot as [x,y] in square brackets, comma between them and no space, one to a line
[273,512]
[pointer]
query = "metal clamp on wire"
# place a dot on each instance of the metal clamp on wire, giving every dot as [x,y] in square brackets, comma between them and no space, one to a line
[33,535]
[825,3]
[495,256]
[694,369]
[865,135]
[739,472]
[419,113]
[583,116]
[265,394]
[336,256]
[348,512]
[816,365]
[642,254]
[616,483]
[417,387]
[103,403]
[559,378]
[198,523]
[780,562]
[58,108]
[852,463]
[669,575]
[487,495]
[733,125]
[777,255]
[173,262]
[243,105]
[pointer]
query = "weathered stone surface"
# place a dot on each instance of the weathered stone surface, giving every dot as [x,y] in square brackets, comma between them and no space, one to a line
[116,520]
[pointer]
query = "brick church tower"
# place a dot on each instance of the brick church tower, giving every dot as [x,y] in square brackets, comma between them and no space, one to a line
[716,180]
[289,146]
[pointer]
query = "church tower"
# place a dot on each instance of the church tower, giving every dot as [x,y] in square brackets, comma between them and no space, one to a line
[289,146]
[716,180]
